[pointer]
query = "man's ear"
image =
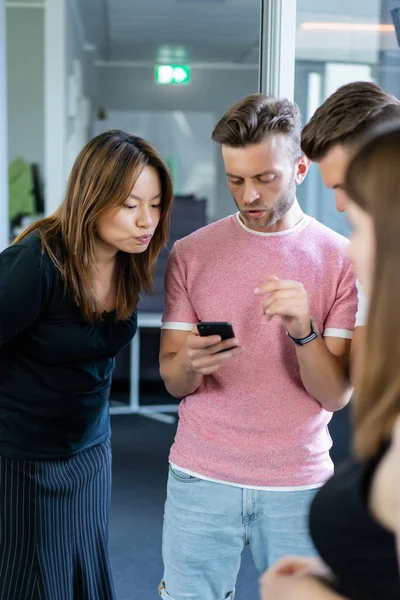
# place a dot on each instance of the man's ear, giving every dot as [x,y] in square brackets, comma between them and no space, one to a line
[302,166]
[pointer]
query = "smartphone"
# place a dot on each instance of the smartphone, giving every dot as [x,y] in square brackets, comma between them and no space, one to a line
[221,328]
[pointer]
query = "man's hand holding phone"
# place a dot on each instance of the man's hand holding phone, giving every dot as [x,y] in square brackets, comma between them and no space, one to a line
[208,352]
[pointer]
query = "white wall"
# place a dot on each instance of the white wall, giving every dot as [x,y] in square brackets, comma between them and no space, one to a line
[26,87]
[78,49]
[65,42]
[133,88]
[25,81]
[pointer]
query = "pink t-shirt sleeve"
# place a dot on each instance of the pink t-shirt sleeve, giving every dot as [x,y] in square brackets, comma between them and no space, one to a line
[178,308]
[341,318]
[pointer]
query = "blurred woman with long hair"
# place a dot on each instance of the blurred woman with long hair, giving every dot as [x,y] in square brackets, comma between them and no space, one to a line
[355,516]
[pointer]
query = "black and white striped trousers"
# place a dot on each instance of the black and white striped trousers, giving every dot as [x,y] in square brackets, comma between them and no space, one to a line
[53,527]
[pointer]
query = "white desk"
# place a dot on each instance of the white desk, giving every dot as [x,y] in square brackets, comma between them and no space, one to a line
[158,411]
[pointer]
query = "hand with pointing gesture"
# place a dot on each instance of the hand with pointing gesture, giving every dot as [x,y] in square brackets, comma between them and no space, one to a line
[289,301]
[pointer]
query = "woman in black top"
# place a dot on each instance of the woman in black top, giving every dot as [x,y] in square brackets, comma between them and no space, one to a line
[355,517]
[69,288]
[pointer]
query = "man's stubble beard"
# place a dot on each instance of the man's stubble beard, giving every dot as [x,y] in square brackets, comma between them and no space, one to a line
[276,213]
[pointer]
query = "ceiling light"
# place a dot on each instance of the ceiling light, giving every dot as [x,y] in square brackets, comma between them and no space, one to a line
[368,27]
[200,1]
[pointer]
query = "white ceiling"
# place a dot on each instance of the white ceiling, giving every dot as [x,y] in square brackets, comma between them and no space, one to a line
[224,31]
[213,30]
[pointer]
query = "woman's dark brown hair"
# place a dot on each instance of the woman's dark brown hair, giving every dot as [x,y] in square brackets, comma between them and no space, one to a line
[102,178]
[373,183]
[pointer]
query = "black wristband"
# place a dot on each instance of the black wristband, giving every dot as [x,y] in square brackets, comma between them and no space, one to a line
[303,341]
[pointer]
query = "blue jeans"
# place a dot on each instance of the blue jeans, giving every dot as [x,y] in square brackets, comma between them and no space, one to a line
[207,524]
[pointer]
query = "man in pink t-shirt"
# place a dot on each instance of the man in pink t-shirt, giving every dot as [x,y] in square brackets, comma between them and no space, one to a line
[252,444]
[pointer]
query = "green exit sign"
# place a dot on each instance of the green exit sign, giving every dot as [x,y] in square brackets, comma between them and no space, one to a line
[177,74]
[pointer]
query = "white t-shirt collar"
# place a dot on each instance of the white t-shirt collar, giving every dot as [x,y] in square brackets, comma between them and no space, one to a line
[298,225]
